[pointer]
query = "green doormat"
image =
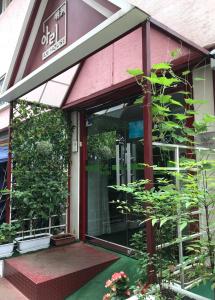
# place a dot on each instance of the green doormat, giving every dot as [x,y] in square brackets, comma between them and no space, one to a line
[203,290]
[95,289]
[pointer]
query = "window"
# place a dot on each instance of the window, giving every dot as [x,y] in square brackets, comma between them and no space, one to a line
[3,5]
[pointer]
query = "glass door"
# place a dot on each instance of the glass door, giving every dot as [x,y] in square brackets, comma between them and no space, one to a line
[115,157]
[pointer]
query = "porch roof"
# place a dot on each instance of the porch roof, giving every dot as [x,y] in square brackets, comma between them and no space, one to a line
[113,26]
[43,86]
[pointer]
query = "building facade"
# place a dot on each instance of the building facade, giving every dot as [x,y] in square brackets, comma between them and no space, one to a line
[93,84]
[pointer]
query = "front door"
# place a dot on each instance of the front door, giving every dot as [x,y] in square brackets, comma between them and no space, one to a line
[115,157]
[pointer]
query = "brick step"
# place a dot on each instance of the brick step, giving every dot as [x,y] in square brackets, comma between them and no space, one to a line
[9,292]
[56,272]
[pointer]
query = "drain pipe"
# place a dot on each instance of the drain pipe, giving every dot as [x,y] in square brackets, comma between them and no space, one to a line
[177,289]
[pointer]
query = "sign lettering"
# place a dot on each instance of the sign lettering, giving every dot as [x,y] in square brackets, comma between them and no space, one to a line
[54,31]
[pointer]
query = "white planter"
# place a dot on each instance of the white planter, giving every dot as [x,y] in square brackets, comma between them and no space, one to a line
[1,268]
[33,243]
[136,298]
[6,250]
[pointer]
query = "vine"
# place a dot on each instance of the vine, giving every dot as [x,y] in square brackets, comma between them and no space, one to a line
[40,149]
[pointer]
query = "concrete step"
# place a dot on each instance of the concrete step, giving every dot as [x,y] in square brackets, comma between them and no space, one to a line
[56,272]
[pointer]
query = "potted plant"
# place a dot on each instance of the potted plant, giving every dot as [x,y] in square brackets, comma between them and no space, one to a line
[182,244]
[7,235]
[61,239]
[33,242]
[40,147]
[118,286]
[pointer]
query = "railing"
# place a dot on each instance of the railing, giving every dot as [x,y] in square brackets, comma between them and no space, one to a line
[50,228]
[182,266]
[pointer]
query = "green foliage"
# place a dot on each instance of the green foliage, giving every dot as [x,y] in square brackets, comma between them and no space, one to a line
[7,233]
[170,204]
[102,145]
[135,72]
[40,147]
[171,115]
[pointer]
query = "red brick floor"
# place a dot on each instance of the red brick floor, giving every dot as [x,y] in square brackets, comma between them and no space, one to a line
[9,292]
[57,272]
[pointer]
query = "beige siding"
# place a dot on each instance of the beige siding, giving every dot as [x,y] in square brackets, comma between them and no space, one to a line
[203,90]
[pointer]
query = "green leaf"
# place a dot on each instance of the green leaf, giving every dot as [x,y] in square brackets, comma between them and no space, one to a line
[163,221]
[161,66]
[183,92]
[181,117]
[171,124]
[186,72]
[191,112]
[138,101]
[194,101]
[180,139]
[159,108]
[175,102]
[135,72]
[183,225]
[162,80]
[209,118]
[175,53]
[163,99]
[198,78]
[154,221]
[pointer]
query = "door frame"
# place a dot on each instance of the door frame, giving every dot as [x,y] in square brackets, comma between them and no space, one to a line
[83,181]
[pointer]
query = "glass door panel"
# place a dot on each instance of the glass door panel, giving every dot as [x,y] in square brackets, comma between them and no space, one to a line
[115,157]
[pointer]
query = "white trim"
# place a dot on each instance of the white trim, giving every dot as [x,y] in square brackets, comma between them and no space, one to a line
[123,4]
[31,40]
[118,24]
[75,174]
[18,45]
[98,7]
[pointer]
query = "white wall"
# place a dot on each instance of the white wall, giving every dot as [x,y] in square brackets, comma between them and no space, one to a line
[4,117]
[11,21]
[75,174]
[203,90]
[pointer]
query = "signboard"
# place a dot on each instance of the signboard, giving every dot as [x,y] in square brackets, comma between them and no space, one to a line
[54,31]
[55,45]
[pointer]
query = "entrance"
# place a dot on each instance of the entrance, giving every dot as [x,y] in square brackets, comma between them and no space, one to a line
[115,157]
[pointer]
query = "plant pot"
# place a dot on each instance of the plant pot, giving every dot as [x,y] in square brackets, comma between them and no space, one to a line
[6,250]
[62,239]
[33,242]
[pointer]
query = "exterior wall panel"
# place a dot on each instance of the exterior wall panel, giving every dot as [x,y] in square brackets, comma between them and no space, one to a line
[162,45]
[109,66]
[203,90]
[4,118]
[10,26]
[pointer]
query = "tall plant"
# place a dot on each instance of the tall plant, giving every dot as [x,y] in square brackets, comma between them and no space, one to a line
[169,206]
[40,148]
